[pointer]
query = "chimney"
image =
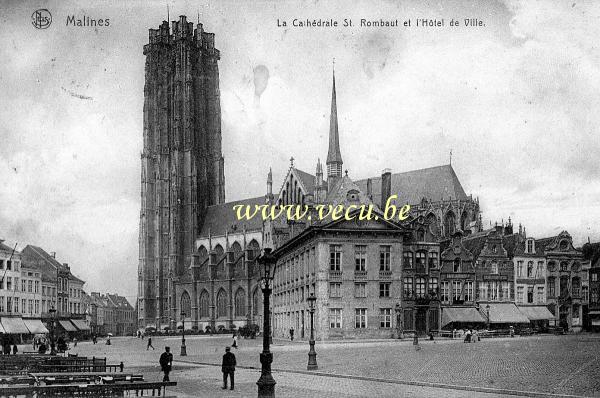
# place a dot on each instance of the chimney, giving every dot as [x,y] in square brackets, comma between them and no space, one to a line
[386,186]
[53,254]
[370,188]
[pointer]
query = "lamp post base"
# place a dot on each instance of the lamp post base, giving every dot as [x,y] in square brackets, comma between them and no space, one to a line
[183,352]
[312,357]
[266,383]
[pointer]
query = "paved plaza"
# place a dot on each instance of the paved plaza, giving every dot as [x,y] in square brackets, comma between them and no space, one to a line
[567,365]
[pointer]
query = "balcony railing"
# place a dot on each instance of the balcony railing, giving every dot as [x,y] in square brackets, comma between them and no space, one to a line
[335,274]
[385,274]
[360,274]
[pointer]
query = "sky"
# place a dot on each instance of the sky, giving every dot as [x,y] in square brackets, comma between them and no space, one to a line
[516,101]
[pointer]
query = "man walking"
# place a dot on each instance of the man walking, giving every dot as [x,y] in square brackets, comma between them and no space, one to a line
[149,344]
[228,367]
[166,361]
[292,334]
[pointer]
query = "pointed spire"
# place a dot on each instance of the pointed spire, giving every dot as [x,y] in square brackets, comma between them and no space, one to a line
[334,156]
[270,176]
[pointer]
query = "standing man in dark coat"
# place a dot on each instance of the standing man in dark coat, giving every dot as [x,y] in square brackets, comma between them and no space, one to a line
[166,361]
[228,367]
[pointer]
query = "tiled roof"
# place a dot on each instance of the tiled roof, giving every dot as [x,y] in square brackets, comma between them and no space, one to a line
[434,183]
[591,251]
[510,242]
[3,247]
[474,244]
[36,257]
[222,218]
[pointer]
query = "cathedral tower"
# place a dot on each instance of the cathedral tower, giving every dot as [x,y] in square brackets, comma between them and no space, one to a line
[182,163]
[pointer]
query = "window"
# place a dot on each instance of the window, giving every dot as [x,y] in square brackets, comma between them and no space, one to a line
[551,286]
[457,265]
[494,267]
[221,304]
[530,246]
[408,287]
[8,283]
[360,318]
[493,292]
[1,304]
[445,292]
[564,266]
[420,262]
[576,286]
[433,260]
[595,296]
[456,290]
[540,295]
[505,286]
[483,291]
[384,289]
[539,273]
[240,303]
[360,257]
[585,293]
[594,277]
[30,306]
[519,268]
[420,287]
[9,304]
[385,317]
[564,286]
[407,259]
[23,283]
[530,294]
[8,265]
[433,286]
[335,289]
[520,294]
[37,286]
[30,286]
[384,258]
[360,290]
[530,269]
[16,304]
[469,291]
[335,257]
[335,318]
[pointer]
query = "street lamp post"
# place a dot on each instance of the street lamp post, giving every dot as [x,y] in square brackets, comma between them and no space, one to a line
[399,321]
[266,383]
[487,308]
[312,354]
[52,326]
[183,348]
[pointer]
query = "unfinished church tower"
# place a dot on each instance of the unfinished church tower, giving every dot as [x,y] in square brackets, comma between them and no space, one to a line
[182,164]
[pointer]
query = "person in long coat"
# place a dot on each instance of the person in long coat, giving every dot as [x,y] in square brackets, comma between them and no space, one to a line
[166,363]
[228,367]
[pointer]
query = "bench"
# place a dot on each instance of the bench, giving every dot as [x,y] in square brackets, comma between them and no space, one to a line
[91,390]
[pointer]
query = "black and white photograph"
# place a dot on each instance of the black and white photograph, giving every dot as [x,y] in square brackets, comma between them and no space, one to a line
[324,198]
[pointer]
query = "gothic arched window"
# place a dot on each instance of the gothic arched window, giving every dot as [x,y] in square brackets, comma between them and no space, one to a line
[240,302]
[464,221]
[186,304]
[204,304]
[450,223]
[221,304]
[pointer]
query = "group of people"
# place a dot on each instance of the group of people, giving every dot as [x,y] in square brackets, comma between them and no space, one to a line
[471,336]
[227,366]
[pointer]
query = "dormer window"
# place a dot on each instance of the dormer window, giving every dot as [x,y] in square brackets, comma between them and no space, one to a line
[530,246]
[494,249]
[494,267]
[352,195]
[457,265]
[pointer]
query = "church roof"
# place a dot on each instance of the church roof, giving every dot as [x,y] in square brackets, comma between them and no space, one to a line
[308,180]
[433,183]
[222,218]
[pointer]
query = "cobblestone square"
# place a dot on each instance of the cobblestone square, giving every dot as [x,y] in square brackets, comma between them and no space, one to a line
[566,365]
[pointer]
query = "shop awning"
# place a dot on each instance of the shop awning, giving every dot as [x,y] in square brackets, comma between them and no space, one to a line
[14,325]
[504,313]
[67,325]
[595,322]
[594,313]
[536,313]
[80,324]
[461,314]
[35,326]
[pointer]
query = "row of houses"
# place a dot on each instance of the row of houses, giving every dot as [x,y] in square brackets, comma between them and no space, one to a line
[38,292]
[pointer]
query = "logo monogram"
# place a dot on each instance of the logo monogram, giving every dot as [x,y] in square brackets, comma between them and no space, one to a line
[41,18]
